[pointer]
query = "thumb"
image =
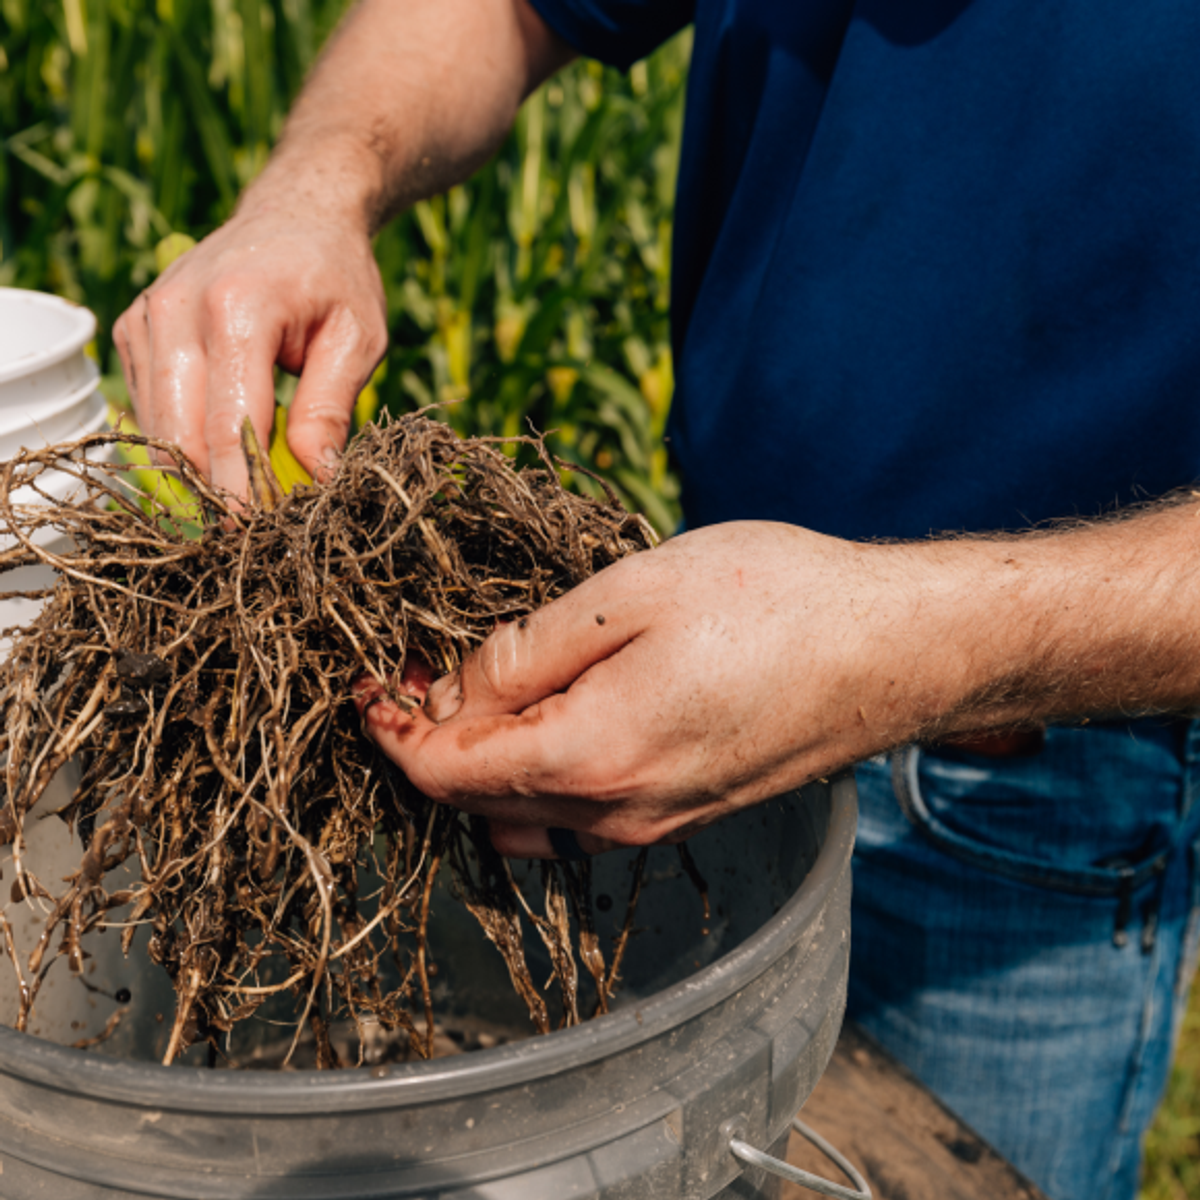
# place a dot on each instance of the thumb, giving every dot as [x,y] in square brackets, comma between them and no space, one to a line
[338,362]
[537,656]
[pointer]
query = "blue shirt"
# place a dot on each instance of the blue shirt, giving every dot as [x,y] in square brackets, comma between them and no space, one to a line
[937,262]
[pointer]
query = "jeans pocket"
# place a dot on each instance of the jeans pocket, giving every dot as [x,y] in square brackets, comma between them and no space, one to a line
[1115,878]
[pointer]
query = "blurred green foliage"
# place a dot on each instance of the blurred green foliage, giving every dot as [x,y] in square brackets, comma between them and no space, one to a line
[1173,1143]
[535,293]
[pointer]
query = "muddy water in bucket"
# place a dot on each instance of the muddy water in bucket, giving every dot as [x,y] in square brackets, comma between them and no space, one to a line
[48,394]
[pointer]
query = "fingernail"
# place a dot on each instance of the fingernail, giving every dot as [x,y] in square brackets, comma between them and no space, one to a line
[330,461]
[364,693]
[445,698]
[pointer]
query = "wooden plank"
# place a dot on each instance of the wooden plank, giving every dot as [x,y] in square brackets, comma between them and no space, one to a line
[906,1143]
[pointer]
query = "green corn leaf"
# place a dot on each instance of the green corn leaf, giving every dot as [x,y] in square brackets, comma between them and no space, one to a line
[545,322]
[257,64]
[214,137]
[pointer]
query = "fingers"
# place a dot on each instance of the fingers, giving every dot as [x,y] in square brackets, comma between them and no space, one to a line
[199,348]
[487,757]
[239,383]
[166,379]
[513,735]
[530,659]
[132,340]
[530,841]
[338,363]
[196,369]
[414,682]
[539,768]
[173,407]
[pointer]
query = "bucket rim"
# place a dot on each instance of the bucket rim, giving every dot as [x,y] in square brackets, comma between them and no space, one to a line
[16,417]
[58,484]
[37,360]
[180,1090]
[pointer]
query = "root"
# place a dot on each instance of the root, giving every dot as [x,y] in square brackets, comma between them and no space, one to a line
[204,684]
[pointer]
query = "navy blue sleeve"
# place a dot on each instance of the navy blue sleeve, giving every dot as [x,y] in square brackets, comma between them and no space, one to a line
[617,32]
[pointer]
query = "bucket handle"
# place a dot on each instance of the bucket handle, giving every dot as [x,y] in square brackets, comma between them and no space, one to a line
[814,1183]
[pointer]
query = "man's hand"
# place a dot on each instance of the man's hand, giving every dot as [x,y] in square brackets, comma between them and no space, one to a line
[407,100]
[721,669]
[739,661]
[199,348]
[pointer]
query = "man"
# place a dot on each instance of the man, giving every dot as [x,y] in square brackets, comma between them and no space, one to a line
[937,264]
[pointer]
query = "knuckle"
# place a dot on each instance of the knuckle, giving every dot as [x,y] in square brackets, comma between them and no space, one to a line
[428,785]
[160,304]
[364,336]
[614,777]
[222,434]
[227,300]
[375,344]
[437,780]
[327,412]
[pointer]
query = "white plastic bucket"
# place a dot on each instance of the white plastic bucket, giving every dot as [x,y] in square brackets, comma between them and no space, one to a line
[58,417]
[48,394]
[42,340]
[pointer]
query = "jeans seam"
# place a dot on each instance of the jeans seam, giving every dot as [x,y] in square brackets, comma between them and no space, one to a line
[1136,1062]
[1190,946]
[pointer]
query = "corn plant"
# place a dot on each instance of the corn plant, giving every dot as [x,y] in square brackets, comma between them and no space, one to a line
[536,292]
[541,293]
[1172,1170]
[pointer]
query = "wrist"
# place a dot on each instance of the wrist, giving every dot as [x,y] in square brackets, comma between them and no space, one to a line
[993,600]
[1096,621]
[936,637]
[955,634]
[317,179]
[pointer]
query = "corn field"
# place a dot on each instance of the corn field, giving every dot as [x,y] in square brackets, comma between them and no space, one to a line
[535,293]
[1173,1143]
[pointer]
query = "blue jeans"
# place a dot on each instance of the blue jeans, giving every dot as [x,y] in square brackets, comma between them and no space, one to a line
[1024,935]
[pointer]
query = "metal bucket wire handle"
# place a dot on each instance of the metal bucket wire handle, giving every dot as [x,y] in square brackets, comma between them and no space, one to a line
[814,1183]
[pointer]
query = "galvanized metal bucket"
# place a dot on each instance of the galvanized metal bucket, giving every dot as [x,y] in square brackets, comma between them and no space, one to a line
[724,1029]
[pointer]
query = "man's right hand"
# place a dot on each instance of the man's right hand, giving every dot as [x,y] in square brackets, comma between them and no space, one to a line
[199,347]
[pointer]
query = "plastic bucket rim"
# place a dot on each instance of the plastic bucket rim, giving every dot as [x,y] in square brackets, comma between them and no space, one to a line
[59,484]
[99,454]
[39,360]
[181,1090]
[20,417]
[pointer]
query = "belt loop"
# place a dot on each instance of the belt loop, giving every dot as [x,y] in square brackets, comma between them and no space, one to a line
[1120,936]
[1152,908]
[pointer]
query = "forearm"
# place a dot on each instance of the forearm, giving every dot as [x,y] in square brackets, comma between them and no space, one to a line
[409,98]
[1099,620]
